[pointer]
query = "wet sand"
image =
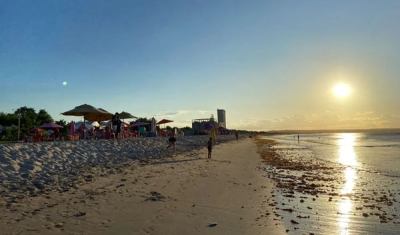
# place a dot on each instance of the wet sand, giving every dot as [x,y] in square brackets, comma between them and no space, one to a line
[319,197]
[180,194]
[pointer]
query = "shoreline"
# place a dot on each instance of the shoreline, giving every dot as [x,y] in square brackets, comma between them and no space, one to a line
[318,196]
[181,194]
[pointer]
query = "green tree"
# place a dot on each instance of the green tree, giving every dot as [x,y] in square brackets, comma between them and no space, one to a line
[186,128]
[28,118]
[8,119]
[5,119]
[66,126]
[43,117]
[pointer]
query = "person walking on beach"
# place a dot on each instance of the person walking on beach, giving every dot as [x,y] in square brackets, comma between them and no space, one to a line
[172,142]
[209,147]
[298,138]
[237,135]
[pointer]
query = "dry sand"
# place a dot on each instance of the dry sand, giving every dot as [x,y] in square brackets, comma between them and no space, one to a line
[176,195]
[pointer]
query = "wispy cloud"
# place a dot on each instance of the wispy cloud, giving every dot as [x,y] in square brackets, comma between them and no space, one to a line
[326,120]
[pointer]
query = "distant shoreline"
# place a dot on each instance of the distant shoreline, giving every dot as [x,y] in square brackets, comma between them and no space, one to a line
[285,132]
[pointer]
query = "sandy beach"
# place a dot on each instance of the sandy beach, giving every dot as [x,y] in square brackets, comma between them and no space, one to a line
[176,193]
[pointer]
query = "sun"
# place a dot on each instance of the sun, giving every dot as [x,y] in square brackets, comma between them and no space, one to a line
[341,90]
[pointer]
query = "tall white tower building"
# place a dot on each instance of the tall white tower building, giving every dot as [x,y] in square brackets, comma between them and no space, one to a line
[221,117]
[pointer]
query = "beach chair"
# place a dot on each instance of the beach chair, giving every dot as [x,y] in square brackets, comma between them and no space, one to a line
[135,134]
[109,134]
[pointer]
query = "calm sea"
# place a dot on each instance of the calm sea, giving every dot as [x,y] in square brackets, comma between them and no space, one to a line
[376,151]
[364,192]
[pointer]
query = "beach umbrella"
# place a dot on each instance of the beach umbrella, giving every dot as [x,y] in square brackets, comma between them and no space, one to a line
[125,115]
[164,121]
[84,111]
[104,115]
[153,125]
[139,124]
[51,125]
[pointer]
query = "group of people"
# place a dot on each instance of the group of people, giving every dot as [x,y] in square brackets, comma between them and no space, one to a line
[172,143]
[117,123]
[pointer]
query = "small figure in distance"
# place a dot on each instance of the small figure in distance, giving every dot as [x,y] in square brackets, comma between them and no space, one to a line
[118,132]
[237,135]
[172,142]
[209,147]
[298,138]
[114,122]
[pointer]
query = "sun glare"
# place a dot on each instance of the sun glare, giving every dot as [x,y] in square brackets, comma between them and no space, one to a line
[341,90]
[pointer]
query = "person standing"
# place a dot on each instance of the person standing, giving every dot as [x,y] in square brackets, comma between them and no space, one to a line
[209,147]
[118,132]
[237,135]
[114,122]
[298,139]
[172,142]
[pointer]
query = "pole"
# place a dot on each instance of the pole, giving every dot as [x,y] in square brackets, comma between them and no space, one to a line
[19,123]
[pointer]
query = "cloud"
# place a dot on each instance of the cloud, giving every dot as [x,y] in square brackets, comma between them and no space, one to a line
[182,112]
[326,120]
[170,114]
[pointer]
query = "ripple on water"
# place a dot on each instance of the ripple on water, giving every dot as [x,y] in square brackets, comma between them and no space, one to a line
[330,197]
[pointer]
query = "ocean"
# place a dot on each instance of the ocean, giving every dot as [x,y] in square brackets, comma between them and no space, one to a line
[355,180]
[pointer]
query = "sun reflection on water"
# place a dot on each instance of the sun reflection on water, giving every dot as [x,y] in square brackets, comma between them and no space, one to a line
[347,157]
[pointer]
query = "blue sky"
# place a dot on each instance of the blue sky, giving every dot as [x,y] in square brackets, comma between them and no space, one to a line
[269,64]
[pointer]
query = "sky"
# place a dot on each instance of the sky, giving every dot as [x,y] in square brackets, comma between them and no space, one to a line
[271,65]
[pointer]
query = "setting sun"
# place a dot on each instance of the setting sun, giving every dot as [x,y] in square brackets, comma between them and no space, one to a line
[341,90]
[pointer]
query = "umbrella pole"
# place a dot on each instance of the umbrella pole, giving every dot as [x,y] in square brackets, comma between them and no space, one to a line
[84,126]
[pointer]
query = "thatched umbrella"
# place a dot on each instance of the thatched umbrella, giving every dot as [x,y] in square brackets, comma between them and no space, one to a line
[86,111]
[99,117]
[125,115]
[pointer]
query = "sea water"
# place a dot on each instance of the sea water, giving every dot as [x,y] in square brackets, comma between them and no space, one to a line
[364,195]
